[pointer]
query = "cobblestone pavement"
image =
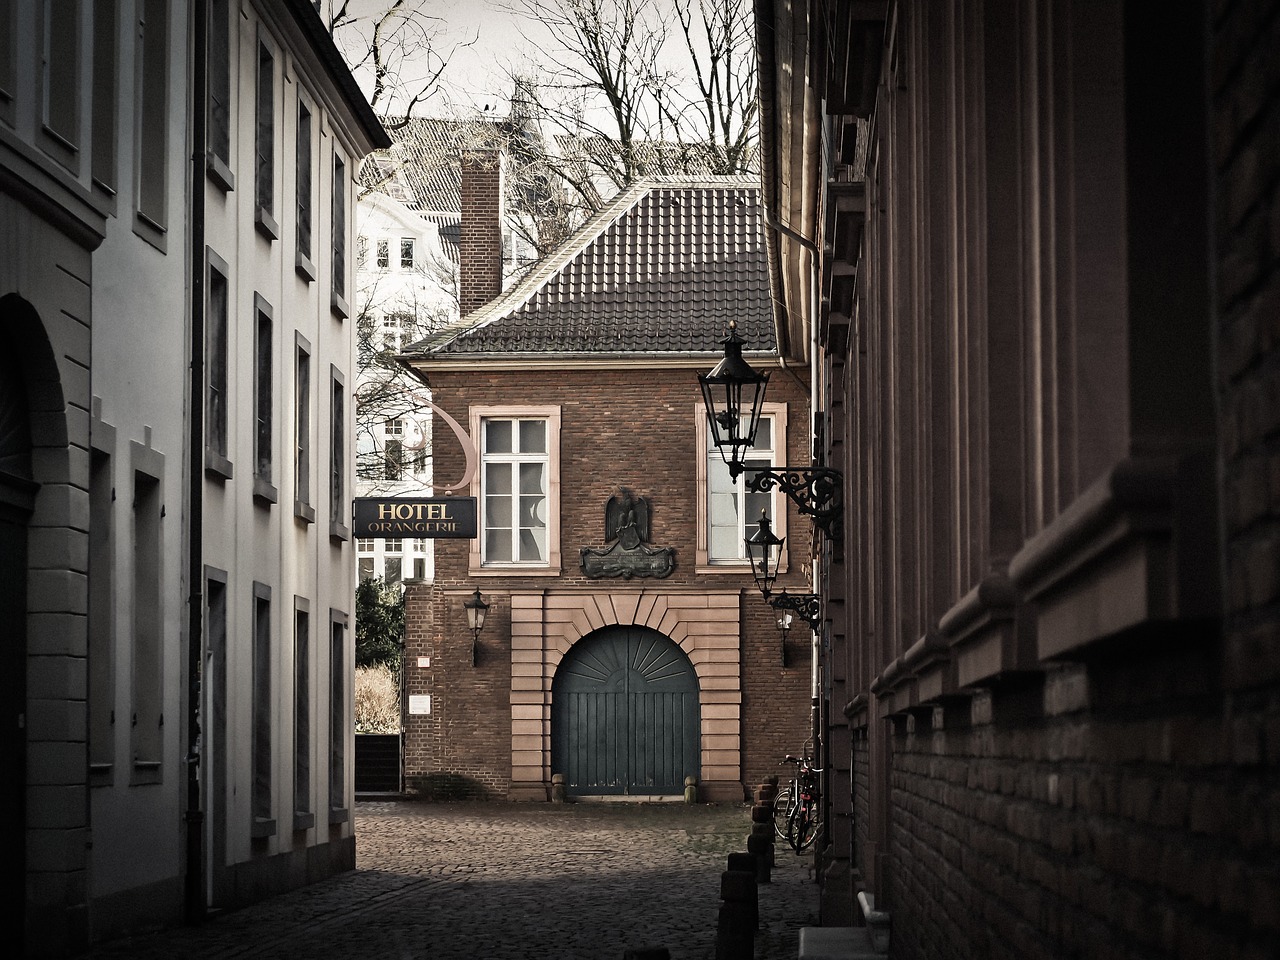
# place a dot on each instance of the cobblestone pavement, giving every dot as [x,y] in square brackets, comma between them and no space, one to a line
[503,881]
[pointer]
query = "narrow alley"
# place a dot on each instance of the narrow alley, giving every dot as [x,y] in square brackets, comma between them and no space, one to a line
[503,881]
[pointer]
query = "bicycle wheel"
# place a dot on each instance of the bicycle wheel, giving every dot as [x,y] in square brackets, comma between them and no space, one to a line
[782,805]
[806,824]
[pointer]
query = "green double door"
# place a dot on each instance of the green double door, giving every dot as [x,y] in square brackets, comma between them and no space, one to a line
[624,715]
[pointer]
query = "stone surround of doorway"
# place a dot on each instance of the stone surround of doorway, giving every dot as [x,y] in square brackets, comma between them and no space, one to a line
[705,624]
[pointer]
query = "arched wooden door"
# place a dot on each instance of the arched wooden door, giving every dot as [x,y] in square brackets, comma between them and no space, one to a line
[624,714]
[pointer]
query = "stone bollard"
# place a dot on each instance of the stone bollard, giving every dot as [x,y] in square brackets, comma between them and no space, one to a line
[760,846]
[736,928]
[690,789]
[558,794]
[746,863]
[762,823]
[647,953]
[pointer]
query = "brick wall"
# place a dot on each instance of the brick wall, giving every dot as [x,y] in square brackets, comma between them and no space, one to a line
[1121,801]
[618,428]
[463,749]
[480,242]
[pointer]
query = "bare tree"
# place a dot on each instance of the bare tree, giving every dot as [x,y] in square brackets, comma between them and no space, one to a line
[388,318]
[635,88]
[393,47]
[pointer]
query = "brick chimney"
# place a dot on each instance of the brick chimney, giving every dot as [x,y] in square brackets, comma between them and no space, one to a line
[480,245]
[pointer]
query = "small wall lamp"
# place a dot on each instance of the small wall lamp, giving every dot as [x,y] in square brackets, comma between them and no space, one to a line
[476,609]
[784,627]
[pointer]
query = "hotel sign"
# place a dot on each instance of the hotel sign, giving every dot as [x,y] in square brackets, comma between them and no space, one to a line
[437,517]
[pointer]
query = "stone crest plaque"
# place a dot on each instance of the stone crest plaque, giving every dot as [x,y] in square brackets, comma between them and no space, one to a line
[626,523]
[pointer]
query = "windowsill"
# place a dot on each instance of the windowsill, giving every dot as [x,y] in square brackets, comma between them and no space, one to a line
[514,571]
[304,267]
[216,465]
[262,827]
[100,774]
[338,815]
[264,492]
[266,224]
[303,820]
[304,511]
[60,149]
[151,231]
[731,569]
[338,531]
[338,306]
[104,193]
[219,173]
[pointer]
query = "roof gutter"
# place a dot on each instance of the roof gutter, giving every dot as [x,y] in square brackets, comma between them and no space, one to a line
[766,54]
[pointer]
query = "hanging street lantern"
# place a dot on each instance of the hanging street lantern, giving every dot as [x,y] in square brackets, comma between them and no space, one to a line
[733,393]
[764,550]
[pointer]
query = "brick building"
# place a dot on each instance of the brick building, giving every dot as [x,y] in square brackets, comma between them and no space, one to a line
[626,645]
[1046,348]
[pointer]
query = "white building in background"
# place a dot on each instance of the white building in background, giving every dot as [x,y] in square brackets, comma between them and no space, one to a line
[405,282]
[176,459]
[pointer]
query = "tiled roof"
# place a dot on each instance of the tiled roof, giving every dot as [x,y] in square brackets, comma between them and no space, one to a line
[423,167]
[662,268]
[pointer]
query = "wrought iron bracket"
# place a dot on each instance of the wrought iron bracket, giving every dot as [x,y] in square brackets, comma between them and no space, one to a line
[808,606]
[816,491]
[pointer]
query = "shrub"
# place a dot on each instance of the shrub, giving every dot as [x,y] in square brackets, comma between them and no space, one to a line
[377,700]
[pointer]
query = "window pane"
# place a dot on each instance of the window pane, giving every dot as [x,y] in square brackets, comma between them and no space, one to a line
[384,254]
[725,543]
[497,479]
[533,512]
[264,398]
[366,568]
[304,180]
[497,512]
[497,436]
[764,434]
[266,128]
[532,544]
[497,545]
[531,478]
[757,502]
[533,436]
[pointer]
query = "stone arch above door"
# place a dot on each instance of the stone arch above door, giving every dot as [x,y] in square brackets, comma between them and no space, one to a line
[705,624]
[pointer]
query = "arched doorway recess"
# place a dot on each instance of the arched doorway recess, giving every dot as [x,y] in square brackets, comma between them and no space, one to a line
[625,718]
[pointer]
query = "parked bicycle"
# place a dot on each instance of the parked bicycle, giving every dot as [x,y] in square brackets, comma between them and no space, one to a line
[797,810]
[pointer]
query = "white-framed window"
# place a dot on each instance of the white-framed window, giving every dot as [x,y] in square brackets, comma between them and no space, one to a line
[406,253]
[518,489]
[392,565]
[384,253]
[393,449]
[364,558]
[727,512]
[265,140]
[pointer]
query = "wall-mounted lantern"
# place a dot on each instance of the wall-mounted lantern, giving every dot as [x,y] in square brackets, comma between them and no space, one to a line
[784,627]
[733,393]
[764,551]
[476,609]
